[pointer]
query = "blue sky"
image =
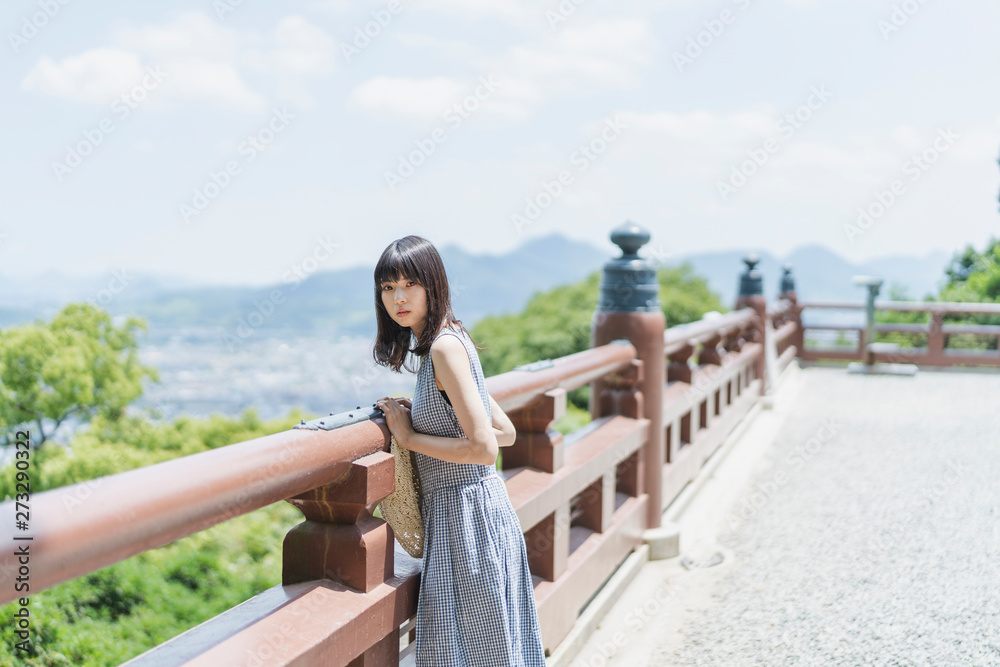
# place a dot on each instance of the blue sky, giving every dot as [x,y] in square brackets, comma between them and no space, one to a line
[229,141]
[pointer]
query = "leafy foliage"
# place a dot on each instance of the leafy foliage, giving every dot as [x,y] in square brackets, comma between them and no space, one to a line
[972,277]
[558,323]
[80,364]
[898,292]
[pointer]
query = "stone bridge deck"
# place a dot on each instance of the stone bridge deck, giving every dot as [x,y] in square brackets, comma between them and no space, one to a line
[858,523]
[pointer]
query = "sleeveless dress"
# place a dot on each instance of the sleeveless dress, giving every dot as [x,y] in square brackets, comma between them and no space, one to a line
[477,604]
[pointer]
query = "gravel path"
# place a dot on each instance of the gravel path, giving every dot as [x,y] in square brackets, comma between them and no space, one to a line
[873,538]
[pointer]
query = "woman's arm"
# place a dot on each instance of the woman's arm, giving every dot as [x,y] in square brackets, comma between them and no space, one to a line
[503,430]
[454,370]
[503,427]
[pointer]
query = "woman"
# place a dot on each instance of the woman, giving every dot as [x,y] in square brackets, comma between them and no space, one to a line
[477,603]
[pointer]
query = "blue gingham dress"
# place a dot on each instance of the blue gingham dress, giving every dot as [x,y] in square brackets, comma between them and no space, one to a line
[477,602]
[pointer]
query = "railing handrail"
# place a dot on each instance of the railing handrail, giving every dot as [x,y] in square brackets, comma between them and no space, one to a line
[130,512]
[516,389]
[936,352]
[778,308]
[945,307]
[704,329]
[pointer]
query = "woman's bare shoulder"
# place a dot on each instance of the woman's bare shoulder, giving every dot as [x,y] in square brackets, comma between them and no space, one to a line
[451,351]
[447,345]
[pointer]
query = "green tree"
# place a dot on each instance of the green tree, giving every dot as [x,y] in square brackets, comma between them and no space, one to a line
[557,323]
[898,292]
[974,276]
[79,364]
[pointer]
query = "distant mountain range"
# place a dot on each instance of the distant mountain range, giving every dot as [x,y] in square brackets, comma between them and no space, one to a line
[341,302]
[820,274]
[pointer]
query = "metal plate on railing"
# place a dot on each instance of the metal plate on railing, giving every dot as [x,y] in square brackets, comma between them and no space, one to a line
[341,419]
[535,365]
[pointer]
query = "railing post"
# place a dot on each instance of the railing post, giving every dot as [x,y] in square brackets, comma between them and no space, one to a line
[709,355]
[751,295]
[732,342]
[629,307]
[621,396]
[872,284]
[794,312]
[935,338]
[678,369]
[340,539]
[540,446]
[537,444]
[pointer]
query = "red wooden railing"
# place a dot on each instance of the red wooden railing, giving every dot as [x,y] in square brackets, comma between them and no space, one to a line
[346,594]
[937,351]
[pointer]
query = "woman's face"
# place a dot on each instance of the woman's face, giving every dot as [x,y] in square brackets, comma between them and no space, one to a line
[406,302]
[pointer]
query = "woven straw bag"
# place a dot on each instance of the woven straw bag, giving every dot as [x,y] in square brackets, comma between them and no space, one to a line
[401,508]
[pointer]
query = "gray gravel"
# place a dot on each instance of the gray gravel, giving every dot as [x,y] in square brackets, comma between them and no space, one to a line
[879,545]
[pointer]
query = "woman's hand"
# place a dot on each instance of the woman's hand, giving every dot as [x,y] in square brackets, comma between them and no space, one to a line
[397,417]
[503,428]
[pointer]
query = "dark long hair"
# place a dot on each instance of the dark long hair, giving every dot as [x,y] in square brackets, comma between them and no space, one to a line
[415,258]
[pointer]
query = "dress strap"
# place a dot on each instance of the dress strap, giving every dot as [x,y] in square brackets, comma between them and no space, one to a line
[447,330]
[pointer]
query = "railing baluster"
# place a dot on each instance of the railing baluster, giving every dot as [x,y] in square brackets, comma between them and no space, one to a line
[935,337]
[537,444]
[340,540]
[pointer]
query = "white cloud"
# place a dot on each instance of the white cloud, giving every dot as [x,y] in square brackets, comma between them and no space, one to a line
[333,7]
[457,49]
[518,12]
[606,54]
[98,75]
[582,58]
[907,136]
[711,132]
[200,54]
[189,35]
[211,81]
[871,159]
[975,142]
[407,97]
[705,147]
[301,49]
[201,57]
